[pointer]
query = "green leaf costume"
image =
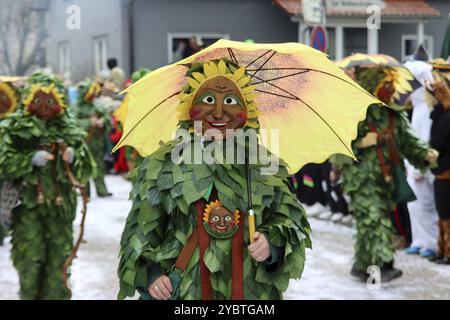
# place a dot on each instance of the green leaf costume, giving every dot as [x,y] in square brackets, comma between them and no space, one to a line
[163,217]
[372,198]
[42,223]
[96,137]
[13,98]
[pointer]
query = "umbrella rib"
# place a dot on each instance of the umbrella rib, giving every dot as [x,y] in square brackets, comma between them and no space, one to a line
[276,69]
[282,77]
[148,113]
[276,94]
[348,82]
[265,62]
[328,125]
[232,56]
[257,59]
[275,86]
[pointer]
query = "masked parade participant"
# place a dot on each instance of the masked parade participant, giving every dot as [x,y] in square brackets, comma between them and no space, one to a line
[95,120]
[9,99]
[191,231]
[43,150]
[440,139]
[377,183]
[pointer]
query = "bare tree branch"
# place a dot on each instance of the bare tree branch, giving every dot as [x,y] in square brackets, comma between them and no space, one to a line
[23,33]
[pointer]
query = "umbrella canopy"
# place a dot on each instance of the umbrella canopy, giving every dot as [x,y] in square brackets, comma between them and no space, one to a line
[300,92]
[11,79]
[401,77]
[363,59]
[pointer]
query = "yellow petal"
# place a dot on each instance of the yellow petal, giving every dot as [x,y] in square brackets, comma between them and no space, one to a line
[248,89]
[199,77]
[238,74]
[252,124]
[243,81]
[253,113]
[193,83]
[210,69]
[251,96]
[222,67]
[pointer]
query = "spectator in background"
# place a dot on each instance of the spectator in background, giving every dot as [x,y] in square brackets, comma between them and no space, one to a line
[117,75]
[440,140]
[422,212]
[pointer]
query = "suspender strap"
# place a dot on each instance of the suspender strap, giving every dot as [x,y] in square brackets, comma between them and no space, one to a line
[187,251]
[237,263]
[203,241]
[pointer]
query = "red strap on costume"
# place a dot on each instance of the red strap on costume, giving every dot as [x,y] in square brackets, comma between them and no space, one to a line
[237,262]
[203,241]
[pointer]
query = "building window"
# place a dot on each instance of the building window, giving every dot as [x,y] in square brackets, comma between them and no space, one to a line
[100,53]
[409,45]
[64,59]
[183,45]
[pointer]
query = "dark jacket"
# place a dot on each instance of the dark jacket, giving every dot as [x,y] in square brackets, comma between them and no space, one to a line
[440,137]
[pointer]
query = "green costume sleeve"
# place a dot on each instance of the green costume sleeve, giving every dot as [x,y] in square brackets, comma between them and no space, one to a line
[14,163]
[408,144]
[287,229]
[143,234]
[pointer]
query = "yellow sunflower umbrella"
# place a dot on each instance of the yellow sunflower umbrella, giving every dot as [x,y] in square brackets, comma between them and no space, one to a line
[300,92]
[11,79]
[402,79]
[363,59]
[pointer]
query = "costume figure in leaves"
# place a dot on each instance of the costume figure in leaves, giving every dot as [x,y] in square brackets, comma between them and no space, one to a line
[96,121]
[377,182]
[9,98]
[187,234]
[42,148]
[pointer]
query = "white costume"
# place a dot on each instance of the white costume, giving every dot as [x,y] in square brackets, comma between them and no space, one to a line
[423,214]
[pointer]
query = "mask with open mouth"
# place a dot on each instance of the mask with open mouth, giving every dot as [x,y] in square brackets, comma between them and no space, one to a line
[220,96]
[219,222]
[219,105]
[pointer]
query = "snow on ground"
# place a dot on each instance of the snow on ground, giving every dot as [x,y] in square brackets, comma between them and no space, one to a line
[326,274]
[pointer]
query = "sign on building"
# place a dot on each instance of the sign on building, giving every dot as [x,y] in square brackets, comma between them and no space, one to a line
[356,5]
[313,12]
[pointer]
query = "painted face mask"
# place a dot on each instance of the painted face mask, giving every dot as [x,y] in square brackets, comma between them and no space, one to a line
[219,105]
[8,99]
[221,97]
[46,103]
[385,91]
[219,222]
[44,106]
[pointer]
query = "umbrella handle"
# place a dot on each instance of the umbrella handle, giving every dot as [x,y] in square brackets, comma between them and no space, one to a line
[251,225]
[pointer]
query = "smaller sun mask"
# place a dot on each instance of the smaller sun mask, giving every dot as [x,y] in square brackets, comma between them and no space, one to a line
[46,103]
[93,92]
[219,222]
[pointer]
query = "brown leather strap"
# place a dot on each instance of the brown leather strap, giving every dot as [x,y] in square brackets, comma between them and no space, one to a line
[187,251]
[203,241]
[90,134]
[444,175]
[383,165]
[237,262]
[388,136]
